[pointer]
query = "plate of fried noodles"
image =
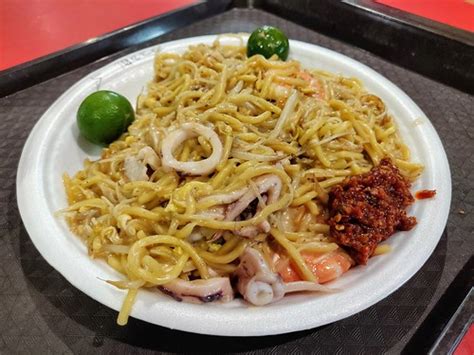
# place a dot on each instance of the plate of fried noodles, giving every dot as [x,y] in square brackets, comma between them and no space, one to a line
[250,196]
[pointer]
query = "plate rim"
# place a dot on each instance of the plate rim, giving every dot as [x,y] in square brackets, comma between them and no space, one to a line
[62,99]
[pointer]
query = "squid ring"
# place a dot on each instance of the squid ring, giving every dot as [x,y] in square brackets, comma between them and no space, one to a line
[187,131]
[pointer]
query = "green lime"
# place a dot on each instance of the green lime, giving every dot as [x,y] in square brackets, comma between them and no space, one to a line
[267,41]
[103,116]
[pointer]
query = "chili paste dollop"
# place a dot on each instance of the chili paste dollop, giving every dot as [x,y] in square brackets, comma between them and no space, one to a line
[366,209]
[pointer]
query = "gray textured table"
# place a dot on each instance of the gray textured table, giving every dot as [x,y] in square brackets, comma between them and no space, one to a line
[40,312]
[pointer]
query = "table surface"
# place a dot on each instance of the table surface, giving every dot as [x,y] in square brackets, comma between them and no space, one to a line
[57,24]
[42,313]
[456,13]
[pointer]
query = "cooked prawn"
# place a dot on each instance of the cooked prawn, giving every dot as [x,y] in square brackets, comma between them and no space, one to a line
[325,266]
[313,83]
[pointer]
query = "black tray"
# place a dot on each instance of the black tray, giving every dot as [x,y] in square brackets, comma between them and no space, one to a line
[42,313]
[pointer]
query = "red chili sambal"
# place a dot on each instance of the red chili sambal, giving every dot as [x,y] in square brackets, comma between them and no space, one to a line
[422,194]
[366,209]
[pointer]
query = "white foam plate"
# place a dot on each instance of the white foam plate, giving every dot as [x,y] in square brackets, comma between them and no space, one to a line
[54,147]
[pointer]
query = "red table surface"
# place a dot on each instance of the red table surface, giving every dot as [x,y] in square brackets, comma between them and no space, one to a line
[466,346]
[456,13]
[33,28]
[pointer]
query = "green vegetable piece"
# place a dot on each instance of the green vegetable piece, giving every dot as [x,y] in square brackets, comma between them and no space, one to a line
[267,41]
[103,116]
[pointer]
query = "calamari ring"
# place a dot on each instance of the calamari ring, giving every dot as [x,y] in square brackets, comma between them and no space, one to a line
[187,131]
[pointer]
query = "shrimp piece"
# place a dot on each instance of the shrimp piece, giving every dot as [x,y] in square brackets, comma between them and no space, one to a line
[325,266]
[313,83]
[260,285]
[279,92]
